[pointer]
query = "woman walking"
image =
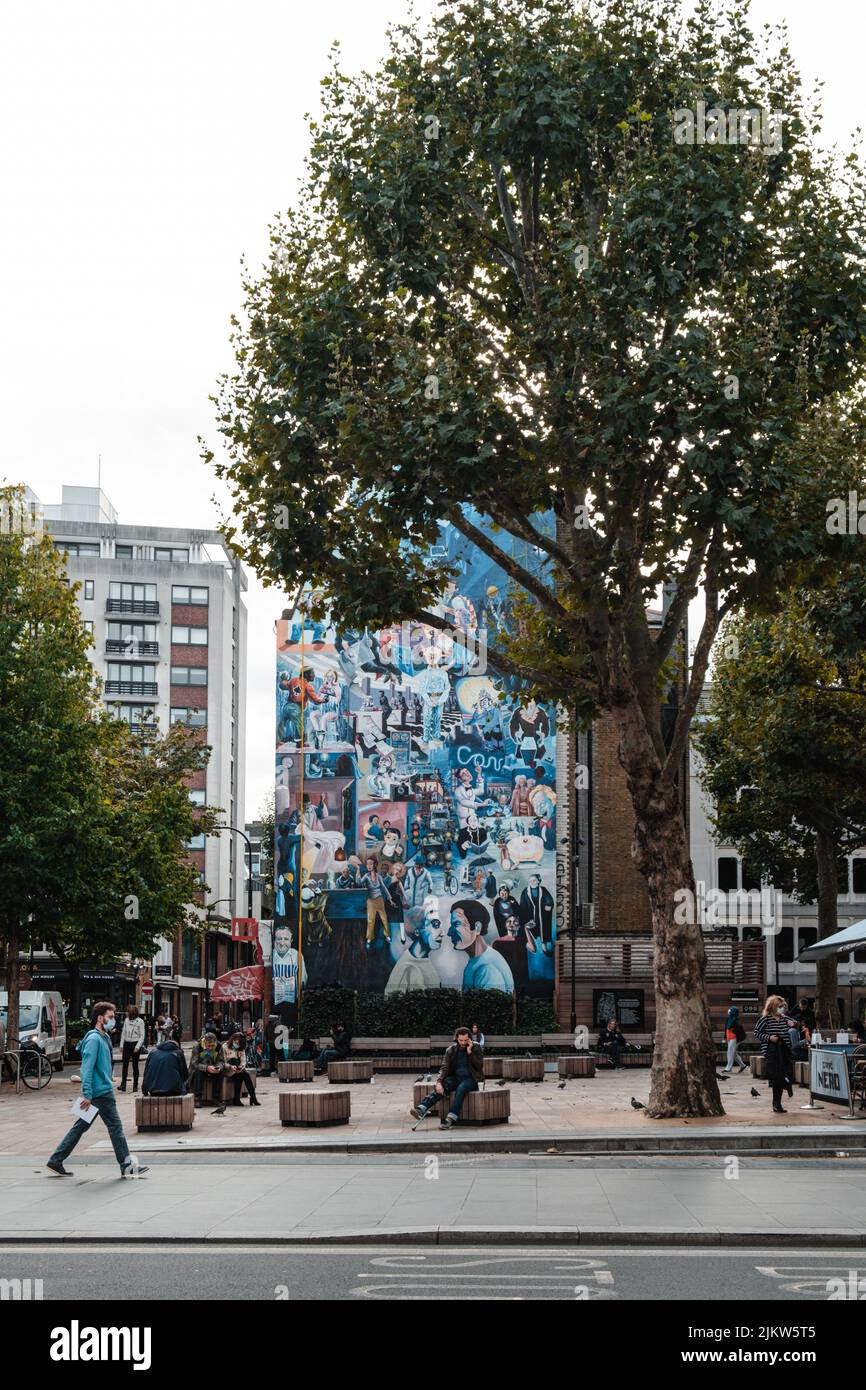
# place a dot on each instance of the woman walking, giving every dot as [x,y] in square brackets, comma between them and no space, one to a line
[771,1030]
[131,1041]
[735,1033]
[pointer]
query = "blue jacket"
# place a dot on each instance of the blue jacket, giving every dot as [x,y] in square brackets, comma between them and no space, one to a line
[97,1057]
[166,1072]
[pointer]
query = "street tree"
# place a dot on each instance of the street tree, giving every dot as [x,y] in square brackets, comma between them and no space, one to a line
[783,751]
[531,287]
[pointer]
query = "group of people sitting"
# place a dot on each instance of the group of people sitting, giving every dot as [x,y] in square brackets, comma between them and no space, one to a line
[211,1063]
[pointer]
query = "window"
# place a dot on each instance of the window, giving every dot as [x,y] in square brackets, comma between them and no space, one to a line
[191,954]
[123,552]
[196,842]
[858,869]
[131,671]
[183,593]
[727,873]
[171,554]
[78,547]
[136,592]
[842,885]
[191,636]
[189,675]
[195,718]
[751,878]
[785,944]
[88,588]
[135,714]
[198,796]
[131,633]
[807,936]
[88,625]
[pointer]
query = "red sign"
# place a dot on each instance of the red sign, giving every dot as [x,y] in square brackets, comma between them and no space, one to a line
[245,929]
[246,983]
[147,989]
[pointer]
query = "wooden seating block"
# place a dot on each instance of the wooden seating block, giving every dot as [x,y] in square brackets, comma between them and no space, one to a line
[295,1071]
[164,1112]
[315,1107]
[353,1069]
[801,1073]
[575,1065]
[492,1067]
[422,1089]
[758,1065]
[491,1107]
[529,1068]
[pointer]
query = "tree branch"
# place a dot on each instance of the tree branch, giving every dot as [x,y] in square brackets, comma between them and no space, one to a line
[516,572]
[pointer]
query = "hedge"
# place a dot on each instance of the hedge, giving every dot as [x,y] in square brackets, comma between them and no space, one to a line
[420,1013]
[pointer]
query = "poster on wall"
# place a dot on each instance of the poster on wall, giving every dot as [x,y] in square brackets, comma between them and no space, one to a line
[415,805]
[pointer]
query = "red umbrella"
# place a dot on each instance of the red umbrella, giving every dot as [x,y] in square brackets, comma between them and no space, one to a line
[246,983]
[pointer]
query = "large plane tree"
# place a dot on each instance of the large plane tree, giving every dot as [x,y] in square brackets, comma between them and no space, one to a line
[579,262]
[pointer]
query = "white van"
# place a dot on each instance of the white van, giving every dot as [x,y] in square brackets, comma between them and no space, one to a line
[41,1015]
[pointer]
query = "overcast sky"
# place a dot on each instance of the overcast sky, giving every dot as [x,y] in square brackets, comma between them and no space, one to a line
[143,151]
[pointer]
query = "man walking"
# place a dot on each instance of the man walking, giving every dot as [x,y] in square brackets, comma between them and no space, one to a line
[97,1090]
[461,1071]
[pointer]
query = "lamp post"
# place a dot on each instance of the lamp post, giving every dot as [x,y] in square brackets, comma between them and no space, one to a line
[208,910]
[234,830]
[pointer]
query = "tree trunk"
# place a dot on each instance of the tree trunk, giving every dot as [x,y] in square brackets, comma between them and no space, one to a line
[684,1060]
[13,970]
[827,972]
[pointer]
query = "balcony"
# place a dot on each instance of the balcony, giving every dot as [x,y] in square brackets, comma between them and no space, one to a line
[130,646]
[149,688]
[132,605]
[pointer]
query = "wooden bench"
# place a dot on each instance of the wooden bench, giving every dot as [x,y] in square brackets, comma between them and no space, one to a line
[492,1066]
[479,1107]
[352,1069]
[164,1112]
[523,1068]
[575,1065]
[295,1071]
[315,1107]
[626,1059]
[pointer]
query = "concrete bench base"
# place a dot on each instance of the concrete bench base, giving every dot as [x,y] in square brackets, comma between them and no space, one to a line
[575,1066]
[295,1071]
[164,1112]
[523,1068]
[352,1071]
[309,1108]
[490,1107]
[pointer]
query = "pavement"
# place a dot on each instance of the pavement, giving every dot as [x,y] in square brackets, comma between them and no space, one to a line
[421,1199]
[594,1115]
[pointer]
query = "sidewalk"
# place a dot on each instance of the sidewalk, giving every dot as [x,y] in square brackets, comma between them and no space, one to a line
[417,1201]
[33,1122]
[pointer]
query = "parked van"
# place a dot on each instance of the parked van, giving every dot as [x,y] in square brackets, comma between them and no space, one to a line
[41,1015]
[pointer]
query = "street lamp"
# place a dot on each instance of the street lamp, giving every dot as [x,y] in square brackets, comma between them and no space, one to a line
[234,830]
[574,841]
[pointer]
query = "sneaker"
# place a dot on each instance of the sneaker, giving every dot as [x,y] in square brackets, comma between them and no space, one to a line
[450,1120]
[744,1067]
[133,1169]
[777,1110]
[60,1170]
[420,1112]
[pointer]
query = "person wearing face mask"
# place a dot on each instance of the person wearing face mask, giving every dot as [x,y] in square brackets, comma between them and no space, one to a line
[97,1091]
[771,1030]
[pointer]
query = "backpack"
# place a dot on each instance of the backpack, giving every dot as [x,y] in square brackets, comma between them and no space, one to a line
[739,1032]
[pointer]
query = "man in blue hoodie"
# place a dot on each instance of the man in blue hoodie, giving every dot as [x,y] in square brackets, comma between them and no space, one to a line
[97,1090]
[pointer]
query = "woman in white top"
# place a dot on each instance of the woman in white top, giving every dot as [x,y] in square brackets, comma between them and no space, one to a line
[131,1041]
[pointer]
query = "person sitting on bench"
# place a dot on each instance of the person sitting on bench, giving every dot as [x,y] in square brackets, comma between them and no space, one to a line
[339,1052]
[461,1071]
[611,1043]
[165,1072]
[236,1070]
[207,1065]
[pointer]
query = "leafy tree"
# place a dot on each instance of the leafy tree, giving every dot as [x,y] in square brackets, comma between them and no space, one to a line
[784,759]
[508,298]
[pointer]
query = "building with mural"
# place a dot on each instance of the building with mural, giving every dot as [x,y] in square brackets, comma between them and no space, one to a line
[416,804]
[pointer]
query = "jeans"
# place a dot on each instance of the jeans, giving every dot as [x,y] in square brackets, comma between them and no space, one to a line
[130,1051]
[614,1052]
[106,1107]
[329,1054]
[460,1090]
[243,1080]
[733,1056]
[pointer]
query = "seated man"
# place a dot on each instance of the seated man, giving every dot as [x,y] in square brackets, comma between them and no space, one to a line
[611,1043]
[237,1071]
[308,1051]
[339,1052]
[461,1071]
[165,1072]
[207,1065]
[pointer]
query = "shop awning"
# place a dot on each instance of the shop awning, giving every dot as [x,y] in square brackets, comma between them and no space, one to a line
[839,944]
[246,983]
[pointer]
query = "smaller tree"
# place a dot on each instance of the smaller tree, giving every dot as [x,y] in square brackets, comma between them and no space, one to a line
[784,756]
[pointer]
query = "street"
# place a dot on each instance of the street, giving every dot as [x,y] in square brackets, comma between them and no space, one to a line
[415,1273]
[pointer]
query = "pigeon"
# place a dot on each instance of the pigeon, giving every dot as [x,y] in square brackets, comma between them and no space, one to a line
[636,1104]
[428,1078]
[419,1078]
[521,1080]
[501,1083]
[220,1110]
[754,1093]
[561,1086]
[529,1055]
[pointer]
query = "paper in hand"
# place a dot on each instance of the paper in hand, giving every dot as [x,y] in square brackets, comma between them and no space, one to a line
[88,1116]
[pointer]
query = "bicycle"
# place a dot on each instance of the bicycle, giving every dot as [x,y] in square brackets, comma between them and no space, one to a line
[28,1065]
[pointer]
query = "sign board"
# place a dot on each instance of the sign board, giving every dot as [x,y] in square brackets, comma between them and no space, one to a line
[625,1005]
[828,1078]
[146,991]
[163,970]
[244,929]
[747,1002]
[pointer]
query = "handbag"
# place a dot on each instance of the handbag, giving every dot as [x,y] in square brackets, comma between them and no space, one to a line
[739,1032]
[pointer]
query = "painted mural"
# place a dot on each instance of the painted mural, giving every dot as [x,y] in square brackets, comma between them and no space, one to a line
[415,805]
